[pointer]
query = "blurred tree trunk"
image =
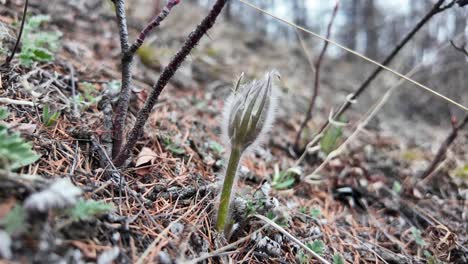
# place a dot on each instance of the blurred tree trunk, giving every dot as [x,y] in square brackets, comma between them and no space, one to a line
[299,12]
[354,24]
[228,10]
[369,24]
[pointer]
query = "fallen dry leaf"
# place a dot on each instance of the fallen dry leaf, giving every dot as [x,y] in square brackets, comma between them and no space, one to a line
[145,157]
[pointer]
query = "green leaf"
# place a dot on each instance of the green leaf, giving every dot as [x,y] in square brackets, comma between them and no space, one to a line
[176,149]
[396,187]
[461,172]
[303,258]
[15,221]
[317,246]
[416,233]
[89,209]
[14,151]
[38,45]
[284,184]
[285,179]
[329,141]
[216,147]
[315,213]
[3,113]
[41,54]
[35,21]
[338,259]
[49,118]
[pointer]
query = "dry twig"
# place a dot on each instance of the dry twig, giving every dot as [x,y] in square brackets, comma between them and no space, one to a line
[25,10]
[316,66]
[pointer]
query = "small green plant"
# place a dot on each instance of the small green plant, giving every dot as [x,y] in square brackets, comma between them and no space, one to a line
[303,210]
[89,97]
[248,115]
[330,139]
[49,118]
[430,258]
[397,187]
[38,46]
[88,209]
[416,234]
[315,213]
[317,246]
[461,172]
[15,221]
[302,257]
[173,147]
[3,113]
[338,259]
[216,147]
[14,151]
[285,179]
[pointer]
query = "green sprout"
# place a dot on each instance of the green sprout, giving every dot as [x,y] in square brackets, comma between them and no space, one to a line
[49,118]
[285,179]
[249,113]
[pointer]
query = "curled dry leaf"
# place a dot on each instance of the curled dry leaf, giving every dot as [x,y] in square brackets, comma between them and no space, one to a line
[145,158]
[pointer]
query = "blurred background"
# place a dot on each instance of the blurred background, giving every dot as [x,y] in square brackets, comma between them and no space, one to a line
[246,40]
[373,28]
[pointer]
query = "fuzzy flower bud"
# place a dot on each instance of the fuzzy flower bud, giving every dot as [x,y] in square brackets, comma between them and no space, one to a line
[249,112]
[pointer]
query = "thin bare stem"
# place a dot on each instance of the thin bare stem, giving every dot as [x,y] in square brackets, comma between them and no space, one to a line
[316,88]
[169,71]
[25,10]
[439,157]
[128,53]
[460,48]
[151,25]
[456,127]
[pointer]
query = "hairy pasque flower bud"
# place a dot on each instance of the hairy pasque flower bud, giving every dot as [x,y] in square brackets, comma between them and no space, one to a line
[249,111]
[248,114]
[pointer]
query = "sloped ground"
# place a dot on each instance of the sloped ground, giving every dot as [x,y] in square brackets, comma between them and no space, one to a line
[391,216]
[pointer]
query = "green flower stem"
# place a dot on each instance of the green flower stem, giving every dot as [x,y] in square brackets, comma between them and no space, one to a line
[223,211]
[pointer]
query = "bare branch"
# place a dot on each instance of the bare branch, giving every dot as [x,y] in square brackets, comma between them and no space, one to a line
[460,48]
[436,9]
[25,10]
[316,66]
[154,23]
[120,113]
[440,156]
[169,71]
[128,53]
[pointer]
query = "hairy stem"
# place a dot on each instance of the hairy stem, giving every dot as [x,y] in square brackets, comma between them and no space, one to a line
[163,80]
[128,53]
[120,112]
[225,200]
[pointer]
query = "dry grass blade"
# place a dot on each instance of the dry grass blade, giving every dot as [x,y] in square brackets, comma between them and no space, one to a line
[297,241]
[422,86]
